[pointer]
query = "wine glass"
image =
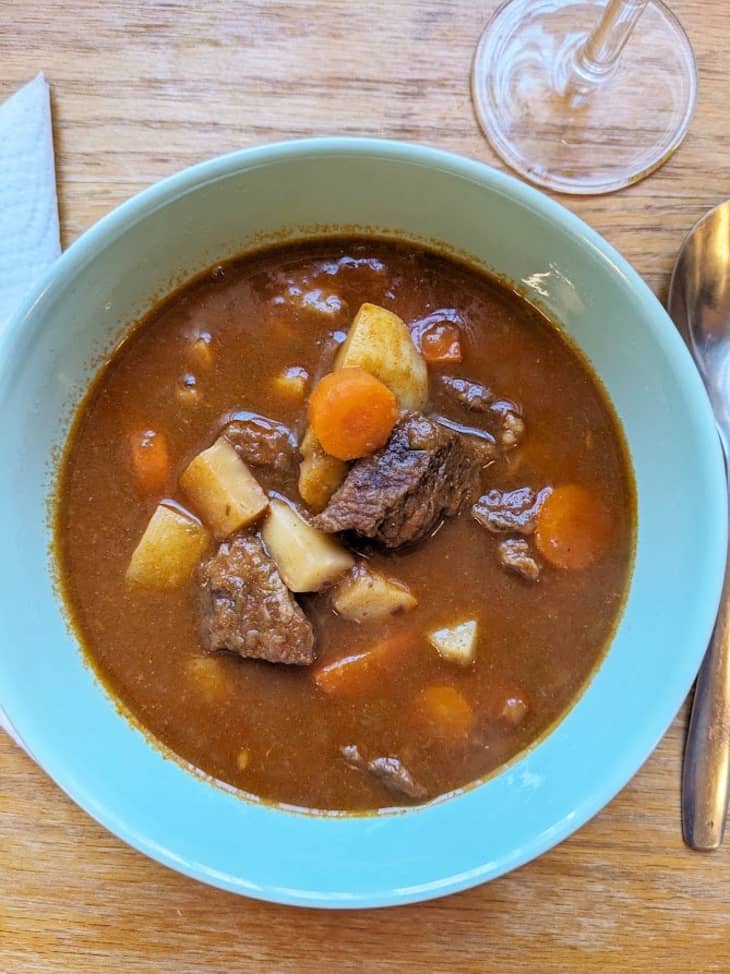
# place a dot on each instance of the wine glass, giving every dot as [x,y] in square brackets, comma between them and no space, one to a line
[584,96]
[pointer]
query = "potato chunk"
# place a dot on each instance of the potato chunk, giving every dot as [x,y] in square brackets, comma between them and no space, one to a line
[292,383]
[380,343]
[366,595]
[319,474]
[222,489]
[171,546]
[458,643]
[307,559]
[319,477]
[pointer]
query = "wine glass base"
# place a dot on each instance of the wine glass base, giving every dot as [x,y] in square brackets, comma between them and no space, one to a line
[557,131]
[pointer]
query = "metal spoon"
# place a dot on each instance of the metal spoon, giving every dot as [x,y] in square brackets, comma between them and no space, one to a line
[699,303]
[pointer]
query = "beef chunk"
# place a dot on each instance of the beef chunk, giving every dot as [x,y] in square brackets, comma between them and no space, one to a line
[473,395]
[511,424]
[514,554]
[353,757]
[390,772]
[397,778]
[479,441]
[510,511]
[477,398]
[262,442]
[245,608]
[397,496]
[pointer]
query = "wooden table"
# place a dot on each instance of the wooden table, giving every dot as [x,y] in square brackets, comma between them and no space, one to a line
[139,91]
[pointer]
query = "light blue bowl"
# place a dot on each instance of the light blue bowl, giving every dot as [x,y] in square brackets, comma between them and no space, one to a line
[220,208]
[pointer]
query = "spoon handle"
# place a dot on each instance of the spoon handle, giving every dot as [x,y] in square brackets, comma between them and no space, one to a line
[706,777]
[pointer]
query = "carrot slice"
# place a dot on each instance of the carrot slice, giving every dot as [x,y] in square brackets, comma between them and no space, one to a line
[440,343]
[573,527]
[150,460]
[361,673]
[352,413]
[445,712]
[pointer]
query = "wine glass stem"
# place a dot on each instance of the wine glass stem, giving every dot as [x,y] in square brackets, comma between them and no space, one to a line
[598,55]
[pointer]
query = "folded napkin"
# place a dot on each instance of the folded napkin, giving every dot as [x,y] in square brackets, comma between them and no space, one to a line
[29,237]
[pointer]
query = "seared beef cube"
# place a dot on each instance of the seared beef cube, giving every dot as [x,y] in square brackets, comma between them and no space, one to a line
[514,554]
[481,443]
[245,608]
[472,395]
[396,777]
[398,496]
[262,442]
[503,512]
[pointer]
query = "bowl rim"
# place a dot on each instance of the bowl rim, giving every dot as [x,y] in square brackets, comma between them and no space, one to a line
[160,194]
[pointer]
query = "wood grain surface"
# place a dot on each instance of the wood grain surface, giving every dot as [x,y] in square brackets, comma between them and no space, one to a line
[141,89]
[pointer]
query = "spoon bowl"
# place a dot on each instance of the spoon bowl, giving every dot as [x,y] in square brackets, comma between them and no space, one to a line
[699,303]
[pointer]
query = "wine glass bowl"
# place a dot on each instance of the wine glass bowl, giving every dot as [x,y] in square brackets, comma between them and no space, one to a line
[583,96]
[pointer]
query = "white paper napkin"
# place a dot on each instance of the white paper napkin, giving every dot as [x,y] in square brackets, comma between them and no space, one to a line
[29,237]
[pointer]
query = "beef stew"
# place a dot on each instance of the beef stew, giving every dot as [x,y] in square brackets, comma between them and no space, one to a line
[345,524]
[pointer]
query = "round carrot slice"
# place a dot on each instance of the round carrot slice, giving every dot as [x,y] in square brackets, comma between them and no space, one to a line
[573,527]
[352,413]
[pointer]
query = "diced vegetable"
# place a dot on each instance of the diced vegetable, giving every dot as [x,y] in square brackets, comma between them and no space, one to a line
[319,474]
[363,672]
[150,460]
[457,643]
[514,709]
[200,351]
[380,343]
[366,595]
[208,677]
[187,392]
[352,413]
[319,477]
[307,559]
[508,704]
[222,489]
[309,442]
[292,382]
[171,546]
[573,527]
[440,343]
[445,713]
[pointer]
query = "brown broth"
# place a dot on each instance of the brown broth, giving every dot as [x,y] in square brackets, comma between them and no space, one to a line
[543,639]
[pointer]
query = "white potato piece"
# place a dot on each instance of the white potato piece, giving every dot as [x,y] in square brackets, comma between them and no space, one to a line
[307,559]
[366,595]
[380,343]
[292,383]
[171,546]
[223,490]
[457,643]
